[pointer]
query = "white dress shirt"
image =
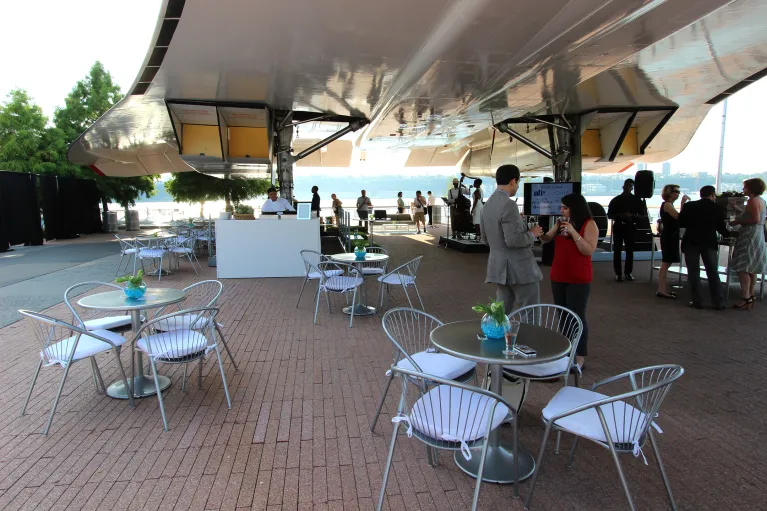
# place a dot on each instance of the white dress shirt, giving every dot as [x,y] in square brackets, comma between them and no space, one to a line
[281,204]
[432,200]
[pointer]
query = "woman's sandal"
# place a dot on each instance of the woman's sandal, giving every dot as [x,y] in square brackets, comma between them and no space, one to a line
[670,296]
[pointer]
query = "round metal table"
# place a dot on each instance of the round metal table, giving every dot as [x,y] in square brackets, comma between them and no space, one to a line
[154,298]
[349,258]
[461,340]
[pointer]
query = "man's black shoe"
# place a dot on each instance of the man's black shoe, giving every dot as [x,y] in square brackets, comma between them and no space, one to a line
[629,277]
[618,278]
[719,307]
[696,305]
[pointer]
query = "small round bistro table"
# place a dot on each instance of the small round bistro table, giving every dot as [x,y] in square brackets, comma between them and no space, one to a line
[349,258]
[462,339]
[154,298]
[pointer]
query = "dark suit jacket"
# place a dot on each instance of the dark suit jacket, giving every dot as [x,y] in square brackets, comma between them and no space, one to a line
[702,219]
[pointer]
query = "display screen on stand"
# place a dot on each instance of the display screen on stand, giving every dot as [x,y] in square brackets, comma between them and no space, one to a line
[544,199]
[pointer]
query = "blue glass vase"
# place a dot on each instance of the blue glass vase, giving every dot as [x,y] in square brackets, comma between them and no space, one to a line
[359,253]
[134,292]
[492,329]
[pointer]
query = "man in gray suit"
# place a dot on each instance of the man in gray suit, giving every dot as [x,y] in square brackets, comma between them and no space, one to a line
[511,265]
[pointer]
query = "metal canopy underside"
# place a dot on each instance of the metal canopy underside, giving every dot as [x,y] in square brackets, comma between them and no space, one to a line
[431,73]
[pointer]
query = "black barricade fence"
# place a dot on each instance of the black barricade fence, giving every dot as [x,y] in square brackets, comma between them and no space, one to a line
[70,206]
[19,210]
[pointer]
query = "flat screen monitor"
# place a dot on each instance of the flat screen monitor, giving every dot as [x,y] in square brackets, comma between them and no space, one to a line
[545,198]
[304,211]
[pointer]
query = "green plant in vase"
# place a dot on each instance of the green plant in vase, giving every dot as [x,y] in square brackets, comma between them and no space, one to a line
[494,322]
[134,284]
[359,249]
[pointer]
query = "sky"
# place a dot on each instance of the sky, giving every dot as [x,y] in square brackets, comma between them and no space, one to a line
[69,36]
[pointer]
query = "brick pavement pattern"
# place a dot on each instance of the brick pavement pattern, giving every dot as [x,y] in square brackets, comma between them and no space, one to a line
[297,435]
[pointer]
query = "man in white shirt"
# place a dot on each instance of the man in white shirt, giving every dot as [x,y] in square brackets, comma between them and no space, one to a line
[275,204]
[363,207]
[432,201]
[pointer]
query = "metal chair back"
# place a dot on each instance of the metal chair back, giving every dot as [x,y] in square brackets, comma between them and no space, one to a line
[554,317]
[311,258]
[380,265]
[409,330]
[180,340]
[80,314]
[125,245]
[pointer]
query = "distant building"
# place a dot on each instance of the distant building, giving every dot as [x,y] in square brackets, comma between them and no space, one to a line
[666,169]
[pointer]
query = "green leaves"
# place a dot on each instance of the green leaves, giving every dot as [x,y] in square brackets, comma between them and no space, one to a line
[133,280]
[195,187]
[494,309]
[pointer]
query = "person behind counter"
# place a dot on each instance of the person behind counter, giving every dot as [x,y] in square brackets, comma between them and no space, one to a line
[316,200]
[275,204]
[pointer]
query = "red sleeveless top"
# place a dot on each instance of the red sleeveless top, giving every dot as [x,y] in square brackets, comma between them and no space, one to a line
[570,266]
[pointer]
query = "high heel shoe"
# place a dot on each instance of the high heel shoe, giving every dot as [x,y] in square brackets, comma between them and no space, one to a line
[746,305]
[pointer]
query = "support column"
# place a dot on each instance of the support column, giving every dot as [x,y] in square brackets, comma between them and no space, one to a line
[285,162]
[566,157]
[576,163]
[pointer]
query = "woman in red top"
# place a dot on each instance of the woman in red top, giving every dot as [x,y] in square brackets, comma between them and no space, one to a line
[575,239]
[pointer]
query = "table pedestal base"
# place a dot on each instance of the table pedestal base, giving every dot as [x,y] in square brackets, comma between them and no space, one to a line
[499,463]
[143,386]
[360,310]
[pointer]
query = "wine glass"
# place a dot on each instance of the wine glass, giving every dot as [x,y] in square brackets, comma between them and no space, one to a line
[511,333]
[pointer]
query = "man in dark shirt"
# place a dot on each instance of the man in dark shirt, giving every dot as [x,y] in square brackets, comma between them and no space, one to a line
[702,219]
[624,210]
[316,200]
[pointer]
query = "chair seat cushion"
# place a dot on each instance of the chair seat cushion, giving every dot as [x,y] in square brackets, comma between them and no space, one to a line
[150,253]
[340,283]
[174,346]
[455,415]
[107,323]
[315,275]
[370,270]
[623,420]
[441,365]
[58,353]
[129,251]
[397,279]
[181,322]
[181,250]
[553,368]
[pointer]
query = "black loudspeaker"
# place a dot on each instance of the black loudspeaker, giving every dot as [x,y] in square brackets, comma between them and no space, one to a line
[644,184]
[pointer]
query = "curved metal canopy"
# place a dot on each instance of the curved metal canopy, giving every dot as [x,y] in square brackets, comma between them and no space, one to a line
[432,73]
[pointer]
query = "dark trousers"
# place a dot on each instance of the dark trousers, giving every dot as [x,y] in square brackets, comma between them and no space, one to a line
[428,212]
[363,216]
[575,297]
[692,257]
[623,234]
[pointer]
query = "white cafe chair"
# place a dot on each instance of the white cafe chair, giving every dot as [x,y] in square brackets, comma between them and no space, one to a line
[405,276]
[312,257]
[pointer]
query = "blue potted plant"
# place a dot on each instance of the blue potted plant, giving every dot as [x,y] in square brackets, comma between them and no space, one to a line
[359,249]
[134,285]
[494,322]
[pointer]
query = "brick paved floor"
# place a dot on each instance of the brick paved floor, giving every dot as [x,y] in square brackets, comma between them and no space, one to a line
[297,434]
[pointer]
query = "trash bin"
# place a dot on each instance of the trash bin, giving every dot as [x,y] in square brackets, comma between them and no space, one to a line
[111,221]
[131,220]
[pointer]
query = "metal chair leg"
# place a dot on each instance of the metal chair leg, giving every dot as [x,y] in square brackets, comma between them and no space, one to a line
[538,465]
[199,373]
[407,295]
[477,487]
[159,393]
[381,402]
[663,475]
[122,373]
[301,292]
[97,372]
[622,477]
[388,466]
[317,306]
[223,377]
[29,394]
[183,378]
[226,346]
[559,439]
[419,297]
[354,301]
[571,456]
[93,375]
[119,264]
[56,399]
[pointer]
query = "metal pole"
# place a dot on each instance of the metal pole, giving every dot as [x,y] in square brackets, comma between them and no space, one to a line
[721,149]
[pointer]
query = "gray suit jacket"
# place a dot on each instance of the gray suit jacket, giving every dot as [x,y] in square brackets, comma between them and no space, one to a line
[511,258]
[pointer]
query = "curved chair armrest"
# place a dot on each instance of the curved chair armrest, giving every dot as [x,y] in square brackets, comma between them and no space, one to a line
[149,324]
[628,374]
[395,270]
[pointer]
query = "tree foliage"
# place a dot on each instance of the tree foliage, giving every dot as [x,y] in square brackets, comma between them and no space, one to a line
[196,187]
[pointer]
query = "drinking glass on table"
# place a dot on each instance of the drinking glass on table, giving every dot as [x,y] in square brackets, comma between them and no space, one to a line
[511,334]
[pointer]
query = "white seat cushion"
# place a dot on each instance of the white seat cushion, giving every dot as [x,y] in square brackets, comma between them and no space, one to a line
[129,251]
[441,365]
[315,275]
[371,270]
[397,279]
[552,368]
[454,415]
[181,322]
[623,420]
[151,253]
[340,283]
[107,323]
[58,353]
[181,250]
[173,345]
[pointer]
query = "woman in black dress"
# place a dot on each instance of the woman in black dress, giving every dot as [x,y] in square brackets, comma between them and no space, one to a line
[669,237]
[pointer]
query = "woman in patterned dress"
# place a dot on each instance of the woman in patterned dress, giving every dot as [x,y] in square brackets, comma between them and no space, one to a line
[749,257]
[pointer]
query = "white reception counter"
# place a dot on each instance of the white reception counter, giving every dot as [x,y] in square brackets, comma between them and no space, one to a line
[267,247]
